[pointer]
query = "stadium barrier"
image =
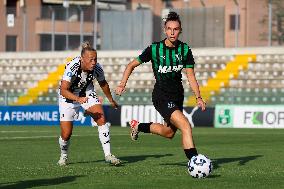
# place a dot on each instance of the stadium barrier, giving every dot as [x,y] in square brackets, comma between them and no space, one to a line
[249,116]
[224,75]
[39,115]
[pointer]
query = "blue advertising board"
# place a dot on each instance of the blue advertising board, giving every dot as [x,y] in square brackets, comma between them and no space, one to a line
[36,115]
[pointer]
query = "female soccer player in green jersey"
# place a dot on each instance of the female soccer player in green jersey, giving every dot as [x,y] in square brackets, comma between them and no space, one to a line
[168,58]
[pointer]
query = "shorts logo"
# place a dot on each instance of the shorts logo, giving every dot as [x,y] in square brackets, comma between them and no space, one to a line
[171,105]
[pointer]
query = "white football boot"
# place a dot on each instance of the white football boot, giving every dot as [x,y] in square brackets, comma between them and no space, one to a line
[112,160]
[63,160]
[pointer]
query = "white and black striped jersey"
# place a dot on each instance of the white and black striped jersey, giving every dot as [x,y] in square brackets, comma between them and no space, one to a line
[81,82]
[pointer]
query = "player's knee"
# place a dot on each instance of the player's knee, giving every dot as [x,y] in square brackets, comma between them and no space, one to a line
[101,121]
[66,135]
[98,117]
[170,134]
[186,128]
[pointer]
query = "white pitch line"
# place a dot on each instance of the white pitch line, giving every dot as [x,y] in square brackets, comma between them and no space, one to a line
[30,137]
[53,136]
[25,132]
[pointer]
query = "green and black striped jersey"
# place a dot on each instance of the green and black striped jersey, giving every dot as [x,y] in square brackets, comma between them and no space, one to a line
[167,63]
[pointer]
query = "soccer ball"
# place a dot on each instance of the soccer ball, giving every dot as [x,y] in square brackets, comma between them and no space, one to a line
[199,166]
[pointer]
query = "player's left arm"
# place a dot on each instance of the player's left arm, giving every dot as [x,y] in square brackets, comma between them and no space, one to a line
[105,87]
[195,87]
[189,69]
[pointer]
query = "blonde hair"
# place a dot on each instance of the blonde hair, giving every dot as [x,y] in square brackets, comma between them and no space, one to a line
[86,46]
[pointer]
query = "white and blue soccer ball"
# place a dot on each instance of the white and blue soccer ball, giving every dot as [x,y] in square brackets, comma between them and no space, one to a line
[199,166]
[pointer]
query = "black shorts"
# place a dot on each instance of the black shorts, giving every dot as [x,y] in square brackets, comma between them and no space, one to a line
[167,107]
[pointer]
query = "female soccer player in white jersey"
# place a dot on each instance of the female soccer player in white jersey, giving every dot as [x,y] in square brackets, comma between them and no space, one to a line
[77,90]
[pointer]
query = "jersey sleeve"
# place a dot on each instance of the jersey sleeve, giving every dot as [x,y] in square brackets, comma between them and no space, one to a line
[99,72]
[145,56]
[189,60]
[70,69]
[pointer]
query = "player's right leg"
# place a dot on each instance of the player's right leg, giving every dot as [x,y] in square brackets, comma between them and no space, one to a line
[67,113]
[163,130]
[64,142]
[134,129]
[155,128]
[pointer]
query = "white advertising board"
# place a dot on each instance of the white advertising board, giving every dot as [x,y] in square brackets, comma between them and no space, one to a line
[249,116]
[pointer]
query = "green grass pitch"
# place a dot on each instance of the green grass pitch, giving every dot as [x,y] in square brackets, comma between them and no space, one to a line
[242,158]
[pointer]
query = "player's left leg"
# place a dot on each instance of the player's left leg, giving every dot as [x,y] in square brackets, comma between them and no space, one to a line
[97,114]
[181,122]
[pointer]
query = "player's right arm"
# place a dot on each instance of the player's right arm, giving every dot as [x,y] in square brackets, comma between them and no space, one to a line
[142,58]
[127,72]
[70,71]
[65,92]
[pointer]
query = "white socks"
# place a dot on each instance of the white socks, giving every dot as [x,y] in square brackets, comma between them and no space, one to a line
[63,146]
[104,136]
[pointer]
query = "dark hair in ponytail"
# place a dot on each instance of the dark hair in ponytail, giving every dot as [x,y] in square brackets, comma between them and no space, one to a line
[86,47]
[173,16]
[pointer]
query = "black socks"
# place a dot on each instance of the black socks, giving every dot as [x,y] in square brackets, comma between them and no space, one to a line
[190,153]
[144,127]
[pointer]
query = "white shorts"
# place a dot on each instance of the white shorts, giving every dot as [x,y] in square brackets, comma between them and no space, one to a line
[70,111]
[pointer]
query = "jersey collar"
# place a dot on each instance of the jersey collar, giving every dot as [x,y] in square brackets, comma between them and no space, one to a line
[178,43]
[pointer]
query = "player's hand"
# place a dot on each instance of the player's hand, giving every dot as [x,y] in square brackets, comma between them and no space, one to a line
[101,99]
[201,103]
[120,89]
[82,100]
[114,104]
